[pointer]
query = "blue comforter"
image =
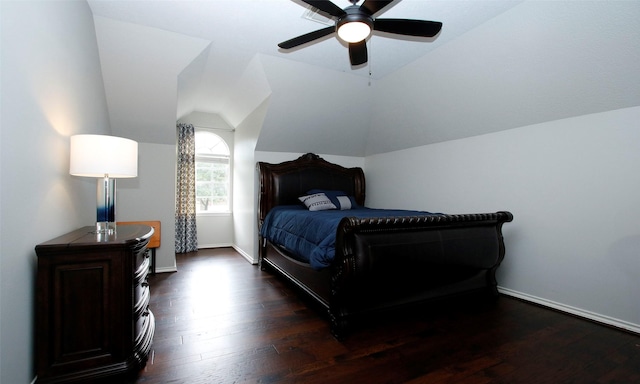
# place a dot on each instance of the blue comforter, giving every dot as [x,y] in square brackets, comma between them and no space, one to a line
[311,236]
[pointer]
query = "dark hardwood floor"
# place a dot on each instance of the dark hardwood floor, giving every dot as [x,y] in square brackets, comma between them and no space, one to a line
[221,320]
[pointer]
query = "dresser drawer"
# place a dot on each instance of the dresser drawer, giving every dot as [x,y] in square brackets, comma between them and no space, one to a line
[141,273]
[143,295]
[142,322]
[145,328]
[142,260]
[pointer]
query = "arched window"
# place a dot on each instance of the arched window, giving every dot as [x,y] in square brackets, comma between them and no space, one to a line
[213,173]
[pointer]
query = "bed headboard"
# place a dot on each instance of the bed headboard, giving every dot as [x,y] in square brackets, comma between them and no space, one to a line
[282,184]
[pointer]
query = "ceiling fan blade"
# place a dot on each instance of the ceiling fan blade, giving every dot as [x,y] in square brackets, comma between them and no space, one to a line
[326,7]
[373,6]
[302,39]
[358,52]
[421,28]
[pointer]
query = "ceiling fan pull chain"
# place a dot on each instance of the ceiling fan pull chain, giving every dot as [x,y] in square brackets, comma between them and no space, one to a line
[369,63]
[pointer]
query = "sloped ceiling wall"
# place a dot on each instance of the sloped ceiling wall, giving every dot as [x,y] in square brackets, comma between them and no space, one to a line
[314,110]
[538,61]
[140,67]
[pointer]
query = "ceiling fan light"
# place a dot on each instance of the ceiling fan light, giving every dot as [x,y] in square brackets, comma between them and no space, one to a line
[355,31]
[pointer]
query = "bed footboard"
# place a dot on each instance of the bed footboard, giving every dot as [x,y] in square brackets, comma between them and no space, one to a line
[390,262]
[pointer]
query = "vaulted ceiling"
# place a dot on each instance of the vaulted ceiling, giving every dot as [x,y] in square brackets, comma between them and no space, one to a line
[497,64]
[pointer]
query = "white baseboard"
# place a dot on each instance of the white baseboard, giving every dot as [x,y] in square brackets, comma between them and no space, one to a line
[167,269]
[245,255]
[238,249]
[573,310]
[218,245]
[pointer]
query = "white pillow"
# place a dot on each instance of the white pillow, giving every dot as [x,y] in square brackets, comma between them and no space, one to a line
[345,202]
[317,202]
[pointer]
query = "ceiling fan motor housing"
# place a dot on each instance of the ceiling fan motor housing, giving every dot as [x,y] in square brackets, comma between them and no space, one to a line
[353,14]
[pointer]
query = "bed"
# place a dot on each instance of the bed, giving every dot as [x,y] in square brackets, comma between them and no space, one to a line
[379,262]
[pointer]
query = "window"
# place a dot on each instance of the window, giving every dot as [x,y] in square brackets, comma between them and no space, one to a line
[213,173]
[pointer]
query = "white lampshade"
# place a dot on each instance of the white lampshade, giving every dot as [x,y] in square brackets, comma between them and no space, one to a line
[100,155]
[354,31]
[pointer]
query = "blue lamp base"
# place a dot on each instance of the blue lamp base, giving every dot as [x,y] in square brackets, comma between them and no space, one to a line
[106,204]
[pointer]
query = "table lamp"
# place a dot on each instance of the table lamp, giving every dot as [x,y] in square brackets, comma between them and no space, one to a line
[107,158]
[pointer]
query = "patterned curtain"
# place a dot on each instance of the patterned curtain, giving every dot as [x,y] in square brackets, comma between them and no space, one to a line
[186,235]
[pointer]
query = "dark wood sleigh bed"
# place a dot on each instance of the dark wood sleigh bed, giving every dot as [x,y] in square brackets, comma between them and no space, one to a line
[381,264]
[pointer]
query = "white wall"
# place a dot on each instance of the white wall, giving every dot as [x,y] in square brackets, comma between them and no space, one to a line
[215,230]
[245,186]
[151,196]
[51,89]
[573,186]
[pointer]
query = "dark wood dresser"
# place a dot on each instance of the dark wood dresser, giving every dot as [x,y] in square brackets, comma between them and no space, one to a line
[92,307]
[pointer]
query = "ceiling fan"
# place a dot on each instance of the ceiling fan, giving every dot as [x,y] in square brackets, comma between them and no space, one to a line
[354,25]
